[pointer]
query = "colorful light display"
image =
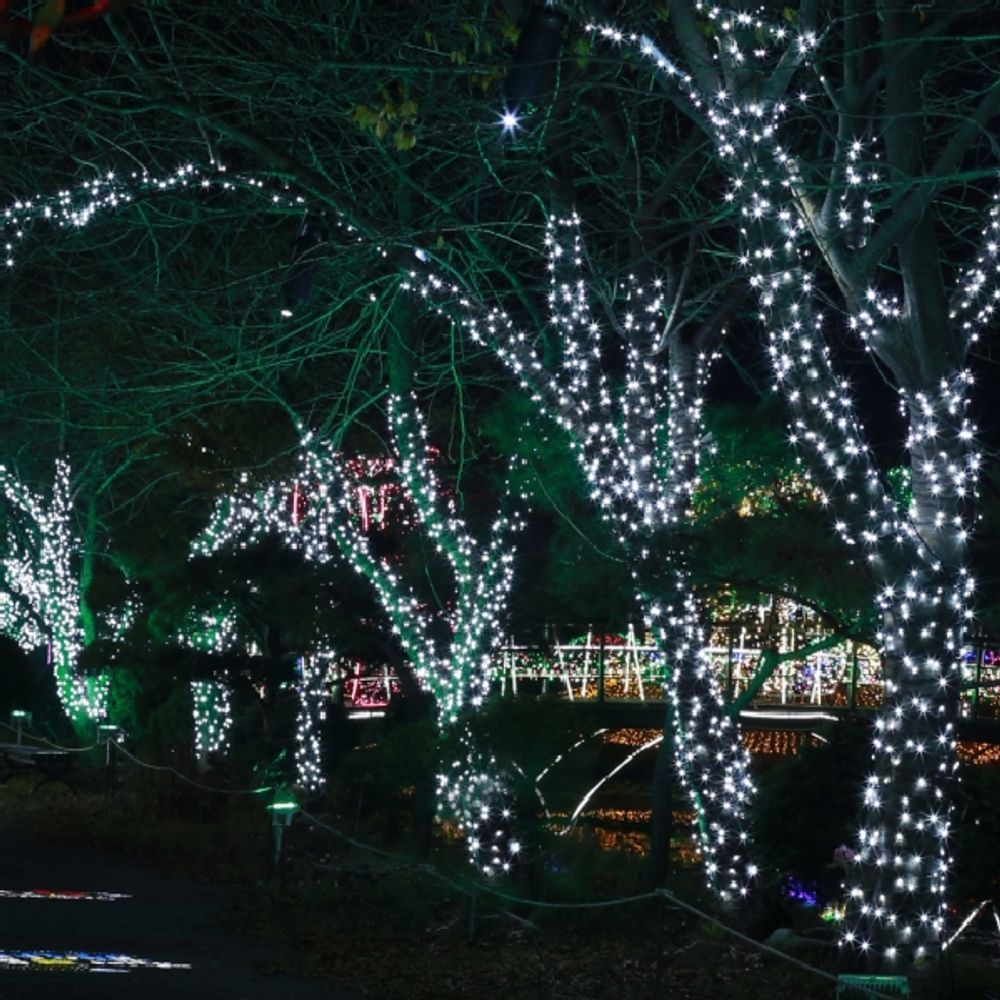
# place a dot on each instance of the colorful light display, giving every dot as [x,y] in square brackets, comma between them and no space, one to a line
[80,961]
[77,895]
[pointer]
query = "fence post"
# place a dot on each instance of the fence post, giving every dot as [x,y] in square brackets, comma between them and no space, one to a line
[853,698]
[109,768]
[980,656]
[282,809]
[600,669]
[109,734]
[729,661]
[470,931]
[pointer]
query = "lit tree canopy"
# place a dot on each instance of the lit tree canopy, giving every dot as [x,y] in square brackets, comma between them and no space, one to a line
[449,644]
[849,168]
[314,514]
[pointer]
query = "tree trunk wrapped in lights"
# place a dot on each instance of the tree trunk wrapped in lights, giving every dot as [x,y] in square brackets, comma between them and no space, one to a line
[41,581]
[210,632]
[212,712]
[455,669]
[638,445]
[309,723]
[890,272]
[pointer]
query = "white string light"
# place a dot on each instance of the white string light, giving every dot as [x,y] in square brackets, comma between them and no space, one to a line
[309,722]
[76,207]
[212,711]
[456,672]
[43,590]
[474,791]
[321,524]
[898,899]
[214,631]
[637,444]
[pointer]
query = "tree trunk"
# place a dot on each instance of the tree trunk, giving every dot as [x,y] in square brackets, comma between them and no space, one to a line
[89,551]
[662,820]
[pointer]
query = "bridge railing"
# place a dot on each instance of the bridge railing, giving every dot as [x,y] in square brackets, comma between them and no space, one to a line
[614,666]
[597,665]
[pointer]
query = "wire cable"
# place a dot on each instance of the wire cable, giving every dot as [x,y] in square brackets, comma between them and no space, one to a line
[183,777]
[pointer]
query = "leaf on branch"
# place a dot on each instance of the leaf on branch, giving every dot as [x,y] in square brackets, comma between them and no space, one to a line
[485,81]
[507,27]
[581,48]
[364,116]
[47,19]
[405,138]
[473,33]
[791,15]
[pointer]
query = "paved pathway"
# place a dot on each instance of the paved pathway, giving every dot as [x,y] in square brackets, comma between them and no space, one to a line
[166,919]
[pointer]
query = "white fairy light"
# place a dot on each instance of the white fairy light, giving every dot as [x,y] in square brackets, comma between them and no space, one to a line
[215,631]
[309,722]
[899,901]
[43,588]
[638,446]
[456,672]
[474,791]
[78,206]
[213,718]
[456,669]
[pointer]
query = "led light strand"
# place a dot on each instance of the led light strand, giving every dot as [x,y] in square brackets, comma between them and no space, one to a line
[80,961]
[310,720]
[212,713]
[456,671]
[620,766]
[904,858]
[475,792]
[43,591]
[77,207]
[75,895]
[638,445]
[214,631]
[457,674]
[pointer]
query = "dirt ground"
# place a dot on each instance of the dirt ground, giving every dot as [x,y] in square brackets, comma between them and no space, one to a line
[344,928]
